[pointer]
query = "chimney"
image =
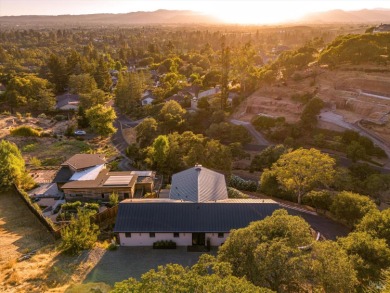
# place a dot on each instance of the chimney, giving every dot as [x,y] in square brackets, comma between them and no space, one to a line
[198,167]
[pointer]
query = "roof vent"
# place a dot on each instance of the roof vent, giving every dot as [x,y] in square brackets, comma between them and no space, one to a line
[198,167]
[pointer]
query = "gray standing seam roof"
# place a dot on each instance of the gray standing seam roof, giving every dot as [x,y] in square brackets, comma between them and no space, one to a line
[189,217]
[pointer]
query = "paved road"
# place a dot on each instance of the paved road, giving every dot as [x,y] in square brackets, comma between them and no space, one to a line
[120,143]
[337,119]
[255,134]
[327,227]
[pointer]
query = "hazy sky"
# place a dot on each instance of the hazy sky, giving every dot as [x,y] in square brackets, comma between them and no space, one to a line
[252,11]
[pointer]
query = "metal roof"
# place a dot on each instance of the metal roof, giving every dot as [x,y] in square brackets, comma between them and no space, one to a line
[82,161]
[189,217]
[198,184]
[87,174]
[63,175]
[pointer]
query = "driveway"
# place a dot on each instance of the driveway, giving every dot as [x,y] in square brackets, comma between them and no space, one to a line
[126,262]
[259,138]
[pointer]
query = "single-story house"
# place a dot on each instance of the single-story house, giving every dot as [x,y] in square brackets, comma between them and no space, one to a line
[67,101]
[143,222]
[198,209]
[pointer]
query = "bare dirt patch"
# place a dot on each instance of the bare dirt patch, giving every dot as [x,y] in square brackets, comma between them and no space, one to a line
[354,93]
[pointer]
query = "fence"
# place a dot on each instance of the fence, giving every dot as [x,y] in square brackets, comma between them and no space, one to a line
[23,195]
[108,215]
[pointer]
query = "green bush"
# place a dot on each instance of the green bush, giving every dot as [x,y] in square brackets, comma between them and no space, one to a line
[234,193]
[71,206]
[26,131]
[113,199]
[42,116]
[320,200]
[164,244]
[80,234]
[266,123]
[241,184]
[59,117]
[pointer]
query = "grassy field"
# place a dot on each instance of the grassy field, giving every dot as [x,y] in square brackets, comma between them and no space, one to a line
[47,270]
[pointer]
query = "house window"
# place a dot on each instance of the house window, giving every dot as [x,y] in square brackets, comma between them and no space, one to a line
[220,235]
[176,235]
[128,235]
[152,234]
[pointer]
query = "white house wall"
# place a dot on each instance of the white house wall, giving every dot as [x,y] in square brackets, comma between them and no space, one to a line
[215,240]
[143,239]
[185,239]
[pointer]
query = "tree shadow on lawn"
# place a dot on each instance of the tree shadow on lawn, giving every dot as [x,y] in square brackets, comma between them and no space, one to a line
[126,262]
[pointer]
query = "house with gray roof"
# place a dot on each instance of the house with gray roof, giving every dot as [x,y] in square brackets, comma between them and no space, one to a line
[198,184]
[141,222]
[67,101]
[197,211]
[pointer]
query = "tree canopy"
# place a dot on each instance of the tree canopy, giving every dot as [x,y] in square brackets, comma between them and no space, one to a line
[101,119]
[302,170]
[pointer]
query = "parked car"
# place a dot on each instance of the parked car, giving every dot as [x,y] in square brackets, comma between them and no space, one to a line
[80,132]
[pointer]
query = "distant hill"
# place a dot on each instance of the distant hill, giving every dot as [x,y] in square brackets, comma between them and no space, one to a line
[341,16]
[141,17]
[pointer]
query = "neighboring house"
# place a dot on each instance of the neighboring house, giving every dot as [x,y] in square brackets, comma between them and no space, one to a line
[179,97]
[382,28]
[147,98]
[197,211]
[67,101]
[85,177]
[209,92]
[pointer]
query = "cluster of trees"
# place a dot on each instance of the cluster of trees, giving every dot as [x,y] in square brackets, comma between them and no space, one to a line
[12,168]
[173,140]
[279,254]
[356,49]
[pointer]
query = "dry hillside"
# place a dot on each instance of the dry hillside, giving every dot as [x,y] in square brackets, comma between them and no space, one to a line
[356,94]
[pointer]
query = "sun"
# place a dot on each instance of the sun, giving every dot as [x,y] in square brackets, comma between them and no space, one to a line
[255,12]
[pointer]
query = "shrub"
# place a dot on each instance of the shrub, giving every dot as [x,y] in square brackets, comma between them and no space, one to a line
[234,193]
[320,200]
[241,184]
[112,246]
[35,162]
[30,147]
[113,199]
[150,195]
[42,116]
[26,131]
[265,122]
[351,207]
[80,234]
[59,117]
[6,113]
[164,244]
[71,206]
[27,115]
[93,207]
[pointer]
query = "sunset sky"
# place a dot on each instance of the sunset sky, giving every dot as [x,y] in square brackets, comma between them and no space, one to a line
[254,11]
